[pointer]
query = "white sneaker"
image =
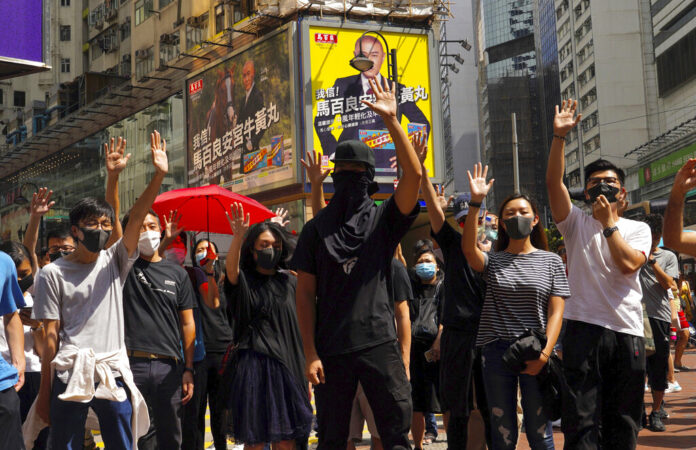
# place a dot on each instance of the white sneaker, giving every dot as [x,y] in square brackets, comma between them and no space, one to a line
[647,387]
[673,387]
[556,423]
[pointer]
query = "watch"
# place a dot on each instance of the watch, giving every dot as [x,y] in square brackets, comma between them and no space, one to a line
[651,262]
[608,231]
[190,369]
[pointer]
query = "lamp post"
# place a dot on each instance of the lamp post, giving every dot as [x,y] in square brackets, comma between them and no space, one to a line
[362,63]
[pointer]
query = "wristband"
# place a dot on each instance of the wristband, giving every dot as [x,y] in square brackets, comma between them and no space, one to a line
[559,137]
[474,204]
[190,369]
[547,356]
[211,274]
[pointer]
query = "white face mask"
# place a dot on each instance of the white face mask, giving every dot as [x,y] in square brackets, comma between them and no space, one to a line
[148,242]
[175,255]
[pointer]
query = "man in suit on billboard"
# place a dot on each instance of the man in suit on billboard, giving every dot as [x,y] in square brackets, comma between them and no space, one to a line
[253,102]
[348,91]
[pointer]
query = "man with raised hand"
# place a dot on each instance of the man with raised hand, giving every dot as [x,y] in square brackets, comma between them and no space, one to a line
[80,300]
[344,304]
[603,348]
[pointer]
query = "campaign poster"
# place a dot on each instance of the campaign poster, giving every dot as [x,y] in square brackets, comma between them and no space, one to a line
[338,90]
[240,120]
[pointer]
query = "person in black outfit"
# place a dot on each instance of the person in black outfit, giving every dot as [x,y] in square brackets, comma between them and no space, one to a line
[267,396]
[253,102]
[344,304]
[461,310]
[428,294]
[157,310]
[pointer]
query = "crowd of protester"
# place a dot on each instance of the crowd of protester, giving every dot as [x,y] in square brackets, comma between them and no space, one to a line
[108,328]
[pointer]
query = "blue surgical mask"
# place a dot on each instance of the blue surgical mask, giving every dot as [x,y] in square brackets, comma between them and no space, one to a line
[426,271]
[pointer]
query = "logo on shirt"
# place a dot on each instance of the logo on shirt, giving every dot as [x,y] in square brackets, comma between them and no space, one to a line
[142,279]
[170,283]
[348,265]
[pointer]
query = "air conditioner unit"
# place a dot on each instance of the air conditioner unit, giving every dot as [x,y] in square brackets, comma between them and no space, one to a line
[141,54]
[167,39]
[197,22]
[111,14]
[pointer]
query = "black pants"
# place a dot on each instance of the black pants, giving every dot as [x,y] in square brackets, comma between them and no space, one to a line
[457,355]
[381,372]
[209,384]
[657,364]
[27,395]
[159,381]
[10,420]
[193,434]
[605,372]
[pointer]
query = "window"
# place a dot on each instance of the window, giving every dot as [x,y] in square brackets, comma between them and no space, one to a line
[163,3]
[590,122]
[125,68]
[196,30]
[64,2]
[2,97]
[143,10]
[20,98]
[145,62]
[96,50]
[219,18]
[169,47]
[677,64]
[65,33]
[65,65]
[125,29]
[574,178]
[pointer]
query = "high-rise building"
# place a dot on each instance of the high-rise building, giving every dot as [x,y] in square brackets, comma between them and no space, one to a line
[604,63]
[515,39]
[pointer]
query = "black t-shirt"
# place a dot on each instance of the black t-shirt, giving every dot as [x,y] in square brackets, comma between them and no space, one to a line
[428,297]
[267,303]
[153,295]
[217,331]
[401,285]
[464,288]
[355,307]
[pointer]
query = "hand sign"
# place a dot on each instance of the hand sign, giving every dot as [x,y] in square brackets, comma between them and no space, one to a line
[564,121]
[685,180]
[171,225]
[420,145]
[116,159]
[385,99]
[238,223]
[280,217]
[478,186]
[315,174]
[158,146]
[41,202]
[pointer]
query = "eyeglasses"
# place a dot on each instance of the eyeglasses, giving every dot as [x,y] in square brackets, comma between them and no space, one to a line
[607,180]
[61,248]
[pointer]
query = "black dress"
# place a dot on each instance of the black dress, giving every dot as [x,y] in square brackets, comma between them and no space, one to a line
[268,400]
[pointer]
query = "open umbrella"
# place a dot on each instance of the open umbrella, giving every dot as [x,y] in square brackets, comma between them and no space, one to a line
[203,208]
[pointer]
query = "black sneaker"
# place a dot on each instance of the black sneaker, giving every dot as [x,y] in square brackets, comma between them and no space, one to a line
[656,422]
[662,412]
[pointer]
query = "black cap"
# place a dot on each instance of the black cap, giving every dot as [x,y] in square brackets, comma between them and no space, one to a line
[461,206]
[354,151]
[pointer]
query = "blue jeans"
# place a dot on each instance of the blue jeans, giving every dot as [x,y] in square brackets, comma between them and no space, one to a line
[430,423]
[68,420]
[501,390]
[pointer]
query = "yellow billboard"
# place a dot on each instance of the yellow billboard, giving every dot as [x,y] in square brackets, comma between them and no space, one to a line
[337,90]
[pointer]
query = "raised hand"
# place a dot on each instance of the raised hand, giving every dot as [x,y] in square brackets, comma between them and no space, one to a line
[158,146]
[420,145]
[477,183]
[442,199]
[280,217]
[116,159]
[41,202]
[315,174]
[171,225]
[238,223]
[685,179]
[565,119]
[385,99]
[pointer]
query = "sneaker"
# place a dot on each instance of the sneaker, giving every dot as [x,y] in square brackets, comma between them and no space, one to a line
[647,387]
[656,422]
[673,387]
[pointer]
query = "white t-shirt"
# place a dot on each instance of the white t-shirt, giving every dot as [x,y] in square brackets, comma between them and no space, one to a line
[33,363]
[600,293]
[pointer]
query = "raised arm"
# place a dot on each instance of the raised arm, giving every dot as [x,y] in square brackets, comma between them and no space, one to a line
[116,161]
[627,258]
[559,198]
[433,199]
[131,234]
[239,224]
[479,189]
[280,217]
[316,177]
[406,193]
[672,233]
[171,230]
[40,204]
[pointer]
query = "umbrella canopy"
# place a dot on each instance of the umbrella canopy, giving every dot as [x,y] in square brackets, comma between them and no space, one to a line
[203,208]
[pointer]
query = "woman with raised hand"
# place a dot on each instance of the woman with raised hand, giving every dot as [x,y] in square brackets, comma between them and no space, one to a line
[526,288]
[267,398]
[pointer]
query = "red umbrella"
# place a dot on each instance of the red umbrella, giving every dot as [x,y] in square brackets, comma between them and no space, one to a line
[203,208]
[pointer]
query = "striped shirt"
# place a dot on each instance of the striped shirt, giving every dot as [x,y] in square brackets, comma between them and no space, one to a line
[518,292]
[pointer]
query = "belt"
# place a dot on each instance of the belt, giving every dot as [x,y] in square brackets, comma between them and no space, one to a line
[139,354]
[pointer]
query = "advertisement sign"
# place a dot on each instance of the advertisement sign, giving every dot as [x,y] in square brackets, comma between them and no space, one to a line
[240,119]
[337,91]
[666,166]
[21,38]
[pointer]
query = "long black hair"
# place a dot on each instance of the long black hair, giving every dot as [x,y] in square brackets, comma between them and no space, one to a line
[216,265]
[17,251]
[287,245]
[538,236]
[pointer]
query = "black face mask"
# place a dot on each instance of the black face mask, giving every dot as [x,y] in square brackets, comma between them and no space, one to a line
[603,189]
[26,282]
[59,254]
[268,258]
[518,227]
[95,239]
[355,184]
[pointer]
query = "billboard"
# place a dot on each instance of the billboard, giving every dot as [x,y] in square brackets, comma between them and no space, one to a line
[240,119]
[337,90]
[21,39]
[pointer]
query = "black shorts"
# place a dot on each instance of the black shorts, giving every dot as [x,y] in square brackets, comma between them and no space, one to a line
[657,363]
[424,379]
[457,351]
